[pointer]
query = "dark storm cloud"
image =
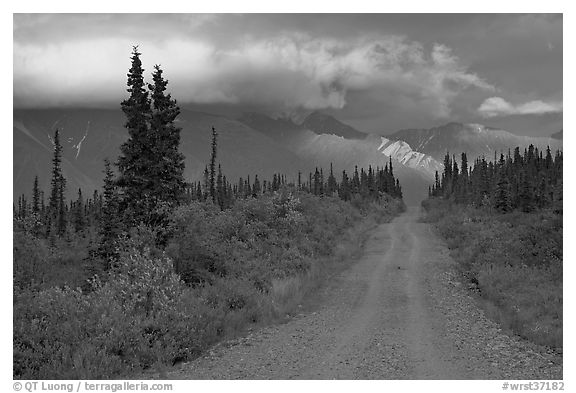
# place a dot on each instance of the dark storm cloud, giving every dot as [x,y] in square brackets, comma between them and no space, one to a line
[389,68]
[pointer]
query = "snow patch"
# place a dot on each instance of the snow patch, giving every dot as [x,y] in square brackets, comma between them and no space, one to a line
[78,146]
[403,153]
[384,142]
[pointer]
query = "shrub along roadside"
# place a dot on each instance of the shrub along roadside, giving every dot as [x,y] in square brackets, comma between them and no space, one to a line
[221,272]
[514,259]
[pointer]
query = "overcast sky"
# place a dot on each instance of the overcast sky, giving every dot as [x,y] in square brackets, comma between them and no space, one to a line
[378,72]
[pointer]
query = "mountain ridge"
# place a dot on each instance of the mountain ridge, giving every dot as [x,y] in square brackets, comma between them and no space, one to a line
[242,151]
[321,123]
[474,139]
[252,144]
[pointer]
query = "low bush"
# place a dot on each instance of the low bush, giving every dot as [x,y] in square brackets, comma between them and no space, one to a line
[30,261]
[515,260]
[221,271]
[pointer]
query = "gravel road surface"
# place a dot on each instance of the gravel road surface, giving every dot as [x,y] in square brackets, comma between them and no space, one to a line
[399,312]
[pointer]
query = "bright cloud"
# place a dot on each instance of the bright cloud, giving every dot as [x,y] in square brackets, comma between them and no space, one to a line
[289,71]
[497,106]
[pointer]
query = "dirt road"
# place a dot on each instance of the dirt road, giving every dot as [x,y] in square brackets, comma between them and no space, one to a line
[397,313]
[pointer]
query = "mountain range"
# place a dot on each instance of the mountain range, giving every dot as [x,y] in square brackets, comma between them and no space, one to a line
[252,144]
[474,139]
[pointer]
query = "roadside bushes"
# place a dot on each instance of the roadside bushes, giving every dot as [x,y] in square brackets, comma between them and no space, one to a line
[32,260]
[514,259]
[256,240]
[38,266]
[120,325]
[220,272]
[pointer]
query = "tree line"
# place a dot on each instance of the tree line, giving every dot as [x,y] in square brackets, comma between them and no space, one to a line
[149,181]
[524,181]
[367,184]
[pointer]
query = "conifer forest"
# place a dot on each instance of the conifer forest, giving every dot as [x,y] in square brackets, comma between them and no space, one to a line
[116,281]
[278,196]
[503,221]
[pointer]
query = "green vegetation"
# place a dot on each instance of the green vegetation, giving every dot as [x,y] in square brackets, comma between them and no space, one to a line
[150,165]
[221,272]
[524,182]
[503,223]
[153,270]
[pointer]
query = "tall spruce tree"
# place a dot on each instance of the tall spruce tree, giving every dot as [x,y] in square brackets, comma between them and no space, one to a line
[79,221]
[331,186]
[36,196]
[150,165]
[463,179]
[167,170]
[447,176]
[213,165]
[220,190]
[58,186]
[344,191]
[199,195]
[256,188]
[110,222]
[206,184]
[61,221]
[136,155]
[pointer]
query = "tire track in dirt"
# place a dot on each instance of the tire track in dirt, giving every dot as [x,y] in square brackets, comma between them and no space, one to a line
[396,313]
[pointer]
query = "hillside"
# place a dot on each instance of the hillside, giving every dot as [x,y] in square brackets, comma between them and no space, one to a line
[321,123]
[414,170]
[89,135]
[252,144]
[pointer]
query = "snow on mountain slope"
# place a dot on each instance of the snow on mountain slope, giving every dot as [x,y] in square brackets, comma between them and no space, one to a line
[316,137]
[374,150]
[403,153]
[345,154]
[322,146]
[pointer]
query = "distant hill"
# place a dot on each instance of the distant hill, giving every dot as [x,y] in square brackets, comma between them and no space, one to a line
[252,144]
[324,124]
[281,130]
[87,137]
[90,135]
[414,170]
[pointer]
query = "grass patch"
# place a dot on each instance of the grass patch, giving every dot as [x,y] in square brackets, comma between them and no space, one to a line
[515,260]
